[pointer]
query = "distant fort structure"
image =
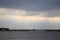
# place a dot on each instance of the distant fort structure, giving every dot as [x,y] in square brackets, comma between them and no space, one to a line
[4,29]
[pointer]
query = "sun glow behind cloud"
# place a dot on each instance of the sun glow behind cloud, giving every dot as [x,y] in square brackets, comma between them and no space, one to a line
[31,18]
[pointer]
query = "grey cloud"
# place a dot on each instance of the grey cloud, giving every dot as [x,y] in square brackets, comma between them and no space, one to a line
[31,5]
[52,13]
[49,13]
[34,6]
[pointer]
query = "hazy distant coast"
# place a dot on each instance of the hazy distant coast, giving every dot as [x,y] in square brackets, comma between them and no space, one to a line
[7,29]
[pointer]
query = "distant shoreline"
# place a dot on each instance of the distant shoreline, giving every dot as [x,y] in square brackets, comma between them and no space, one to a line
[34,30]
[7,29]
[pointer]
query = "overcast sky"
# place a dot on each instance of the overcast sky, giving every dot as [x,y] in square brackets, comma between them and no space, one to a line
[29,14]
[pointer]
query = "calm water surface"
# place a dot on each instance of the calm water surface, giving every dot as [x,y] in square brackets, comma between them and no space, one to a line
[30,35]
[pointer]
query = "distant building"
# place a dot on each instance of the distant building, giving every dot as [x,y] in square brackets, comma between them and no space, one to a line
[4,29]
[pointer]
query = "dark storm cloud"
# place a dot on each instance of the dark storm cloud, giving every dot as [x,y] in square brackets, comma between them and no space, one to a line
[36,6]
